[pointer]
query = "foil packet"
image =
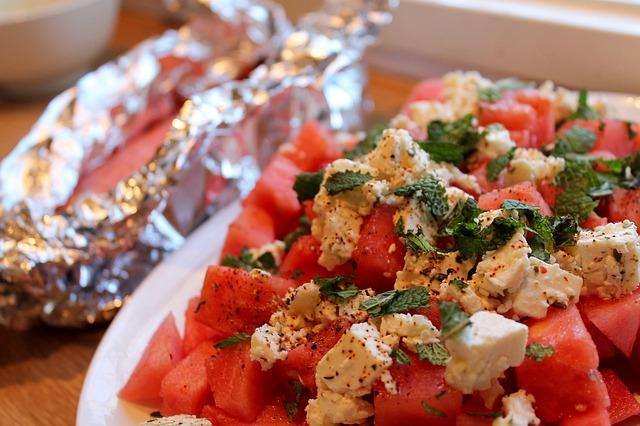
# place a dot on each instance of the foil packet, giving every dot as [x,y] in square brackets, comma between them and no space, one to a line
[71,259]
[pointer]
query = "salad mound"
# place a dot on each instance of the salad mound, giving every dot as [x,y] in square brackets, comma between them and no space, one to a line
[474,262]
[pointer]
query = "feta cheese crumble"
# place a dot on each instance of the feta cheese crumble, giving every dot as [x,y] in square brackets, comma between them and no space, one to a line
[181,420]
[483,350]
[609,259]
[518,410]
[410,329]
[461,91]
[531,165]
[545,285]
[495,143]
[332,408]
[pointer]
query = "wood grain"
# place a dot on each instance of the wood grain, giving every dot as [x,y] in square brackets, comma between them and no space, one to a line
[41,371]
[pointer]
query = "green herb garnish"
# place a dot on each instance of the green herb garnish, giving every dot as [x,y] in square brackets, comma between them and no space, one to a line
[583,111]
[539,351]
[435,353]
[490,414]
[418,244]
[400,356]
[453,319]
[307,185]
[395,301]
[428,191]
[293,407]
[303,228]
[453,140]
[489,94]
[345,181]
[576,140]
[339,287]
[447,152]
[433,411]
[495,166]
[232,340]
[246,261]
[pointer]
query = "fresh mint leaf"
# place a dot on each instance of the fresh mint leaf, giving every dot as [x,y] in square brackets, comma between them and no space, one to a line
[428,191]
[583,111]
[418,244]
[489,415]
[576,204]
[510,204]
[307,185]
[539,351]
[576,140]
[460,132]
[345,181]
[400,356]
[303,228]
[293,407]
[442,151]
[463,212]
[436,353]
[473,241]
[232,340]
[395,301]
[459,283]
[489,94]
[339,287]
[495,166]
[631,131]
[541,241]
[452,318]
[565,230]
[432,411]
[243,261]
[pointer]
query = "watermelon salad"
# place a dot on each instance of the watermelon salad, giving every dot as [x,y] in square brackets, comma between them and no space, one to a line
[475,261]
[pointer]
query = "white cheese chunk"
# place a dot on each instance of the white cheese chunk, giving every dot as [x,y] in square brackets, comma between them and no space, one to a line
[329,310]
[339,217]
[181,420]
[496,142]
[466,296]
[412,329]
[304,299]
[545,284]
[503,270]
[531,165]
[355,362]
[431,269]
[265,346]
[483,350]
[609,257]
[461,91]
[518,410]
[424,112]
[331,408]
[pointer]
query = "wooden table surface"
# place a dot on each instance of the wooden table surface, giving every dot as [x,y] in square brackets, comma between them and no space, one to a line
[41,371]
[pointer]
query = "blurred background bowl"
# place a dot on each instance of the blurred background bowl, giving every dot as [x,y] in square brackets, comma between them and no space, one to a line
[47,44]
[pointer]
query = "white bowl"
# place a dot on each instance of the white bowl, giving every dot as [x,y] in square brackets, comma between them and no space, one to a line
[47,44]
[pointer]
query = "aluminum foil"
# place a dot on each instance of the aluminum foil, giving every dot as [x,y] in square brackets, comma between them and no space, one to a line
[74,263]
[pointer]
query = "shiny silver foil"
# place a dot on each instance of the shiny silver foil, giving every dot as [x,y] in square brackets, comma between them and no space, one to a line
[74,263]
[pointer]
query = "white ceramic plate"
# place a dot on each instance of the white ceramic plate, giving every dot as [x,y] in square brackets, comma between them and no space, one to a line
[168,289]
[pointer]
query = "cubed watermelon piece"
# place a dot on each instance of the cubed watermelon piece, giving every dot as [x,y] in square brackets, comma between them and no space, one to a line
[623,403]
[593,417]
[379,253]
[195,332]
[624,204]
[239,386]
[312,148]
[545,128]
[427,90]
[480,173]
[475,413]
[568,382]
[301,262]
[606,349]
[252,228]
[593,220]
[273,415]
[185,389]
[301,362]
[613,135]
[525,192]
[163,352]
[233,300]
[618,319]
[513,115]
[274,193]
[423,397]
[549,192]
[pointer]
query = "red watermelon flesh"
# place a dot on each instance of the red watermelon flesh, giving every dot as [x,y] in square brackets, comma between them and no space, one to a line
[618,319]
[239,385]
[312,148]
[568,382]
[594,417]
[185,389]
[623,404]
[427,90]
[232,300]
[194,331]
[624,204]
[273,415]
[379,253]
[301,262]
[418,382]
[252,228]
[613,135]
[162,353]
[525,192]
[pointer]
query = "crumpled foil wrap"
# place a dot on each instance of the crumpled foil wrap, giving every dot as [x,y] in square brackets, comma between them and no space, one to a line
[74,263]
